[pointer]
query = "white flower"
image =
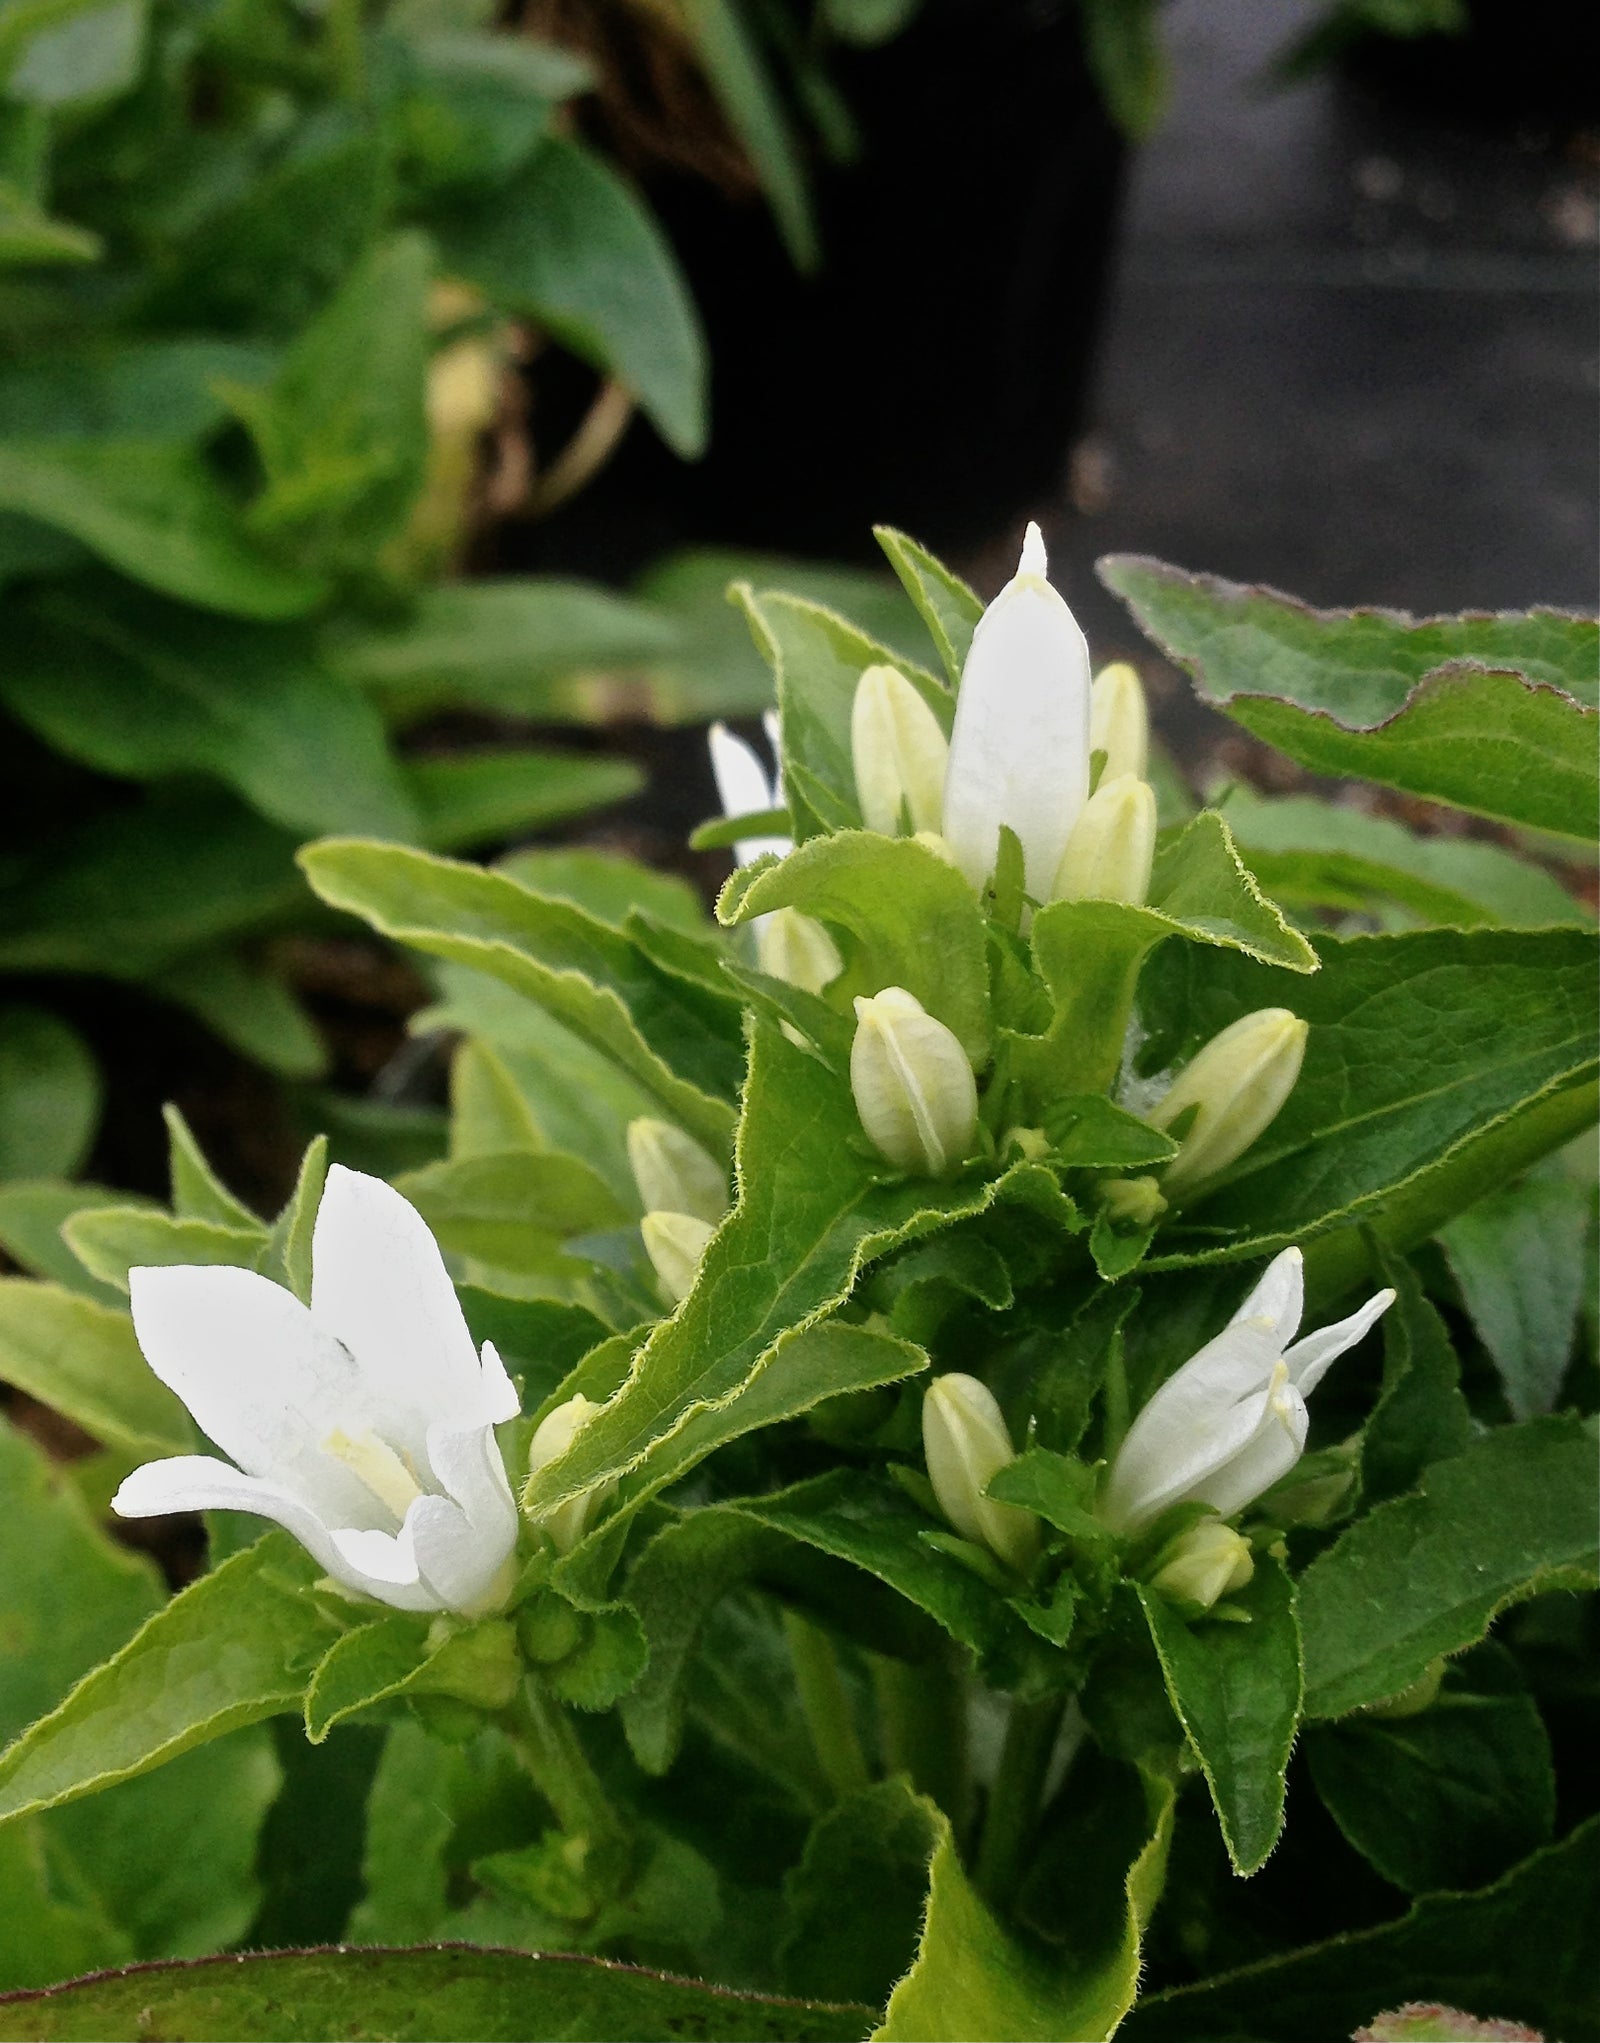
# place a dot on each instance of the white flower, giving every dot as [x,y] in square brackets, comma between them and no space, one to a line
[1019,750]
[364,1425]
[743,787]
[1233,1418]
[966,1444]
[1238,1083]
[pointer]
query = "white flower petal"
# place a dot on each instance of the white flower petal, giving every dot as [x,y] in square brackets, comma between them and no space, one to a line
[384,1565]
[744,789]
[200,1482]
[466,1465]
[1182,1418]
[1271,1452]
[1279,1297]
[379,1285]
[1155,1469]
[451,1556]
[500,1398]
[1309,1360]
[261,1379]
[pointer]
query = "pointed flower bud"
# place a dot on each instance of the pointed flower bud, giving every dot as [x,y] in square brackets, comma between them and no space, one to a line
[1119,722]
[795,947]
[1208,1562]
[675,1242]
[1019,752]
[553,1435]
[1233,1419]
[914,1088]
[1239,1081]
[673,1172]
[1112,846]
[900,753]
[965,1441]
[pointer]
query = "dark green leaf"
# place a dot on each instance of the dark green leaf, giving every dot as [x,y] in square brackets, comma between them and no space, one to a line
[735,65]
[50,1095]
[248,1006]
[32,1214]
[470,799]
[1422,1416]
[1518,1255]
[854,1903]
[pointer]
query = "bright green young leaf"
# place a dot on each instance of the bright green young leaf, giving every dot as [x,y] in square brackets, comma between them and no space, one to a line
[29,235]
[477,798]
[1452,1797]
[613,890]
[1420,1046]
[234,1647]
[1508,1949]
[1316,854]
[514,1209]
[1236,1690]
[675,1044]
[159,690]
[288,1260]
[566,244]
[497,1996]
[541,646]
[1518,1255]
[112,1240]
[50,1095]
[81,1359]
[903,916]
[1426,1574]
[1492,713]
[945,604]
[33,1212]
[120,895]
[971,1978]
[153,509]
[197,1192]
[396,1654]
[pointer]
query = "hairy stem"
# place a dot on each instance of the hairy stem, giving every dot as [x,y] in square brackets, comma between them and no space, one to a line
[923,1716]
[549,1748]
[1015,1798]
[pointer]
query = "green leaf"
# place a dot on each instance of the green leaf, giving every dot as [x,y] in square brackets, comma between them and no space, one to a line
[1492,713]
[972,1978]
[1089,1132]
[673,1043]
[32,1214]
[288,1259]
[403,1653]
[248,1006]
[615,891]
[514,1209]
[153,509]
[1129,61]
[566,244]
[817,657]
[496,1996]
[159,690]
[50,1095]
[1420,1046]
[903,916]
[110,1241]
[29,235]
[81,1359]
[1518,1256]
[46,1932]
[470,799]
[136,889]
[735,67]
[1427,1574]
[234,1647]
[161,388]
[1316,854]
[540,646]
[1508,1948]
[1422,1416]
[1236,1690]
[340,431]
[197,1192]
[1450,1798]
[945,604]
[61,52]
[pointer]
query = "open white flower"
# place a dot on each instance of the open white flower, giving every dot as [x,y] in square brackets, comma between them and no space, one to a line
[1233,1419]
[364,1425]
[1019,748]
[743,786]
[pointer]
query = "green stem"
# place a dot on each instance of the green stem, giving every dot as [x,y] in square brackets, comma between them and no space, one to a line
[1014,1801]
[548,1746]
[825,1701]
[922,1711]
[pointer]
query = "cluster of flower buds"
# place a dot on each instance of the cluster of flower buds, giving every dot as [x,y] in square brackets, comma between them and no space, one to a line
[913,1085]
[684,1191]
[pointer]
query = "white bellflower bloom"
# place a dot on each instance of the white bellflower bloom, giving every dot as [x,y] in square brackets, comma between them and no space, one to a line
[363,1424]
[1233,1419]
[1019,749]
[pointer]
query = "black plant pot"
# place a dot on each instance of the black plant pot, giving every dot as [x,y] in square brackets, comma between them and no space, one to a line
[933,372]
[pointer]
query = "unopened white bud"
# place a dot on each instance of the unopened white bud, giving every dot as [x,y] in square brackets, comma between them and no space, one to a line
[1208,1562]
[1133,1202]
[914,1088]
[1112,846]
[1239,1081]
[795,947]
[554,1434]
[1119,722]
[965,1441]
[675,1242]
[674,1173]
[900,754]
